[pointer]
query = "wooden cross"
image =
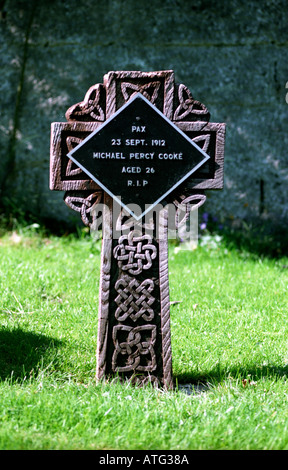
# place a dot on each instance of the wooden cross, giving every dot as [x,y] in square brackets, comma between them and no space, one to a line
[134,340]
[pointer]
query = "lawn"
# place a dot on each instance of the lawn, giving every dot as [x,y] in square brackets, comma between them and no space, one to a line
[229,343]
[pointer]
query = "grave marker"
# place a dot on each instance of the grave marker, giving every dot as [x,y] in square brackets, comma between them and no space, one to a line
[136,146]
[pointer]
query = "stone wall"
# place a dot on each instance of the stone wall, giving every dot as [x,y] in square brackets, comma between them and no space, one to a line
[233,56]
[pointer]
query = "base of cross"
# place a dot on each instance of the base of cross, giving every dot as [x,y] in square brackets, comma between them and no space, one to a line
[134,341]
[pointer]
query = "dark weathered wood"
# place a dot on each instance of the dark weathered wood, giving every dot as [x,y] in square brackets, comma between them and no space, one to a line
[134,340]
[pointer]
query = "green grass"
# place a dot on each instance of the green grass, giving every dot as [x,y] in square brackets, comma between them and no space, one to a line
[229,334]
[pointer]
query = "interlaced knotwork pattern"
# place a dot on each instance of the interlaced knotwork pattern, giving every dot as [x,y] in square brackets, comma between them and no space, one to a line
[135,346]
[135,253]
[134,300]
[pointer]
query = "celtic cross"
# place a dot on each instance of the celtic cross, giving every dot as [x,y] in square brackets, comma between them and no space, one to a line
[138,139]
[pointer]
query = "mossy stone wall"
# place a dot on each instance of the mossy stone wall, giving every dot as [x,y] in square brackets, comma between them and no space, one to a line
[233,56]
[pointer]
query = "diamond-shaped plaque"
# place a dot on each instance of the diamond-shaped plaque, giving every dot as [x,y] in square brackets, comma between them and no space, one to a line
[138,156]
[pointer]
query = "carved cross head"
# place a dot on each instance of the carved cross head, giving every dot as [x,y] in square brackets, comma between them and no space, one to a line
[129,158]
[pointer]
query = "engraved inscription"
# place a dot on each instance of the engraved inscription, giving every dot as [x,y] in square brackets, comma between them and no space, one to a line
[147,154]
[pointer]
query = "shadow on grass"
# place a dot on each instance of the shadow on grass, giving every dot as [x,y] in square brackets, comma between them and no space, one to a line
[218,374]
[22,353]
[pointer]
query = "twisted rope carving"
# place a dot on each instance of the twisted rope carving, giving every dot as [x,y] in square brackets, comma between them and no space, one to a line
[84,205]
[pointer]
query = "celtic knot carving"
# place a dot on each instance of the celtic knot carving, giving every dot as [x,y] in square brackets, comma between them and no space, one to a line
[204,139]
[90,107]
[149,90]
[146,379]
[72,142]
[84,205]
[133,345]
[127,222]
[187,105]
[187,205]
[134,300]
[135,253]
